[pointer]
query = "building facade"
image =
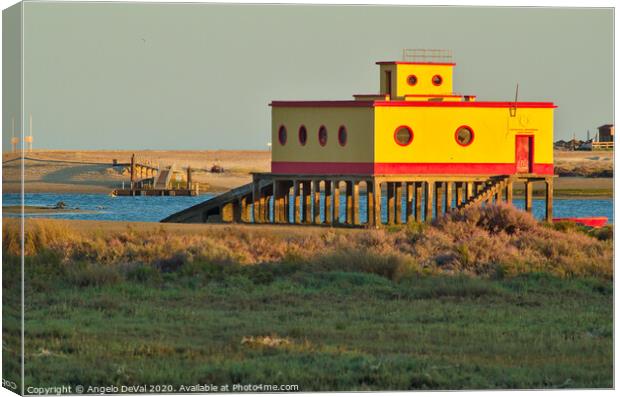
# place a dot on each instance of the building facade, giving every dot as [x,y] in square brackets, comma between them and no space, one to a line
[416,124]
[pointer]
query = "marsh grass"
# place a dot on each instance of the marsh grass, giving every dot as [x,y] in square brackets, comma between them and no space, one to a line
[485,299]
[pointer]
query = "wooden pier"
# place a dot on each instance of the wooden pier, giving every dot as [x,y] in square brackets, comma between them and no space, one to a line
[147,179]
[316,199]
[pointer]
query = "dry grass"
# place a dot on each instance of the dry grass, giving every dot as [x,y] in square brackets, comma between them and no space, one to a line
[494,241]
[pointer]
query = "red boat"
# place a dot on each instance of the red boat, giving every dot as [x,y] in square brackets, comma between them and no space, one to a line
[592,221]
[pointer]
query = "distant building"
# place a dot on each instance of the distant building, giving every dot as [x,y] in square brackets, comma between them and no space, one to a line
[605,137]
[606,133]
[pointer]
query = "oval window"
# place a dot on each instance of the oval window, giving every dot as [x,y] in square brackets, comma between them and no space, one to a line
[437,80]
[412,79]
[464,135]
[303,135]
[342,135]
[323,136]
[282,135]
[403,135]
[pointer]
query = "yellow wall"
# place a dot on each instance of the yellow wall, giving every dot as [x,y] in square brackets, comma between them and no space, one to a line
[359,122]
[434,129]
[424,73]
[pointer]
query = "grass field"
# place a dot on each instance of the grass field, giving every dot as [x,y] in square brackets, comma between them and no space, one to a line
[488,299]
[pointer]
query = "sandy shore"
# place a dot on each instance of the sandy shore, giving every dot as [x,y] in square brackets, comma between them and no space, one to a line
[62,171]
[90,227]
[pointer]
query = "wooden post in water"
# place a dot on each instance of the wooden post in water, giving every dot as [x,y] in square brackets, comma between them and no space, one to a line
[459,193]
[376,201]
[370,207]
[349,202]
[448,196]
[428,197]
[409,216]
[549,199]
[418,201]
[316,194]
[276,201]
[336,202]
[132,172]
[528,195]
[439,188]
[328,202]
[390,203]
[296,202]
[469,190]
[307,202]
[356,202]
[255,200]
[398,202]
[509,192]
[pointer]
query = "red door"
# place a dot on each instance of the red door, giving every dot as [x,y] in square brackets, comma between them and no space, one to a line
[524,151]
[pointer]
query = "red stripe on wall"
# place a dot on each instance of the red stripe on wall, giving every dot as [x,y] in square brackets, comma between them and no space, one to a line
[299,167]
[316,168]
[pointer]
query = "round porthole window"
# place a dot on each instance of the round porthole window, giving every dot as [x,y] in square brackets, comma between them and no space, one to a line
[464,135]
[403,135]
[437,80]
[282,135]
[303,135]
[322,136]
[342,135]
[412,79]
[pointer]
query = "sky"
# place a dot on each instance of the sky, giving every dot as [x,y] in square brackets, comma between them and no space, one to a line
[201,76]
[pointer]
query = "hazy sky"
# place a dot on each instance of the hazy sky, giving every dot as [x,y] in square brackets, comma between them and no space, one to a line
[199,76]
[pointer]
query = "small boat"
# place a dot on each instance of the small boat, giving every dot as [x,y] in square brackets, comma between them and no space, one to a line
[592,221]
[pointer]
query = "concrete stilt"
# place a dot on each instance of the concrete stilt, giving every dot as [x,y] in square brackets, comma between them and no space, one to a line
[349,201]
[370,207]
[428,197]
[390,203]
[528,196]
[418,201]
[549,199]
[449,196]
[327,207]
[376,191]
[398,202]
[296,202]
[355,207]
[316,194]
[509,191]
[307,202]
[459,193]
[409,215]
[439,189]
[336,202]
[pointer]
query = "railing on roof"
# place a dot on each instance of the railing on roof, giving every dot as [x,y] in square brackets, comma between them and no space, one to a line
[423,55]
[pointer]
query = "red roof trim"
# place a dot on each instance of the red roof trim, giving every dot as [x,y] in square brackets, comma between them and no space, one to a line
[439,95]
[353,103]
[477,104]
[414,63]
[321,104]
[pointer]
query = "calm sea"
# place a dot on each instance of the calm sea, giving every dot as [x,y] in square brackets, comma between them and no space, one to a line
[153,209]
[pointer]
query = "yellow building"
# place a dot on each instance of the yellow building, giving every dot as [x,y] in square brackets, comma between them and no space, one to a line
[416,124]
[411,152]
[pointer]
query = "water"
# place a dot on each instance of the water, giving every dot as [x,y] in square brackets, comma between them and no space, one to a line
[155,208]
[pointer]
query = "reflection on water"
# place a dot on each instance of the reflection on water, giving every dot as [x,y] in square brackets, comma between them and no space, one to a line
[153,209]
